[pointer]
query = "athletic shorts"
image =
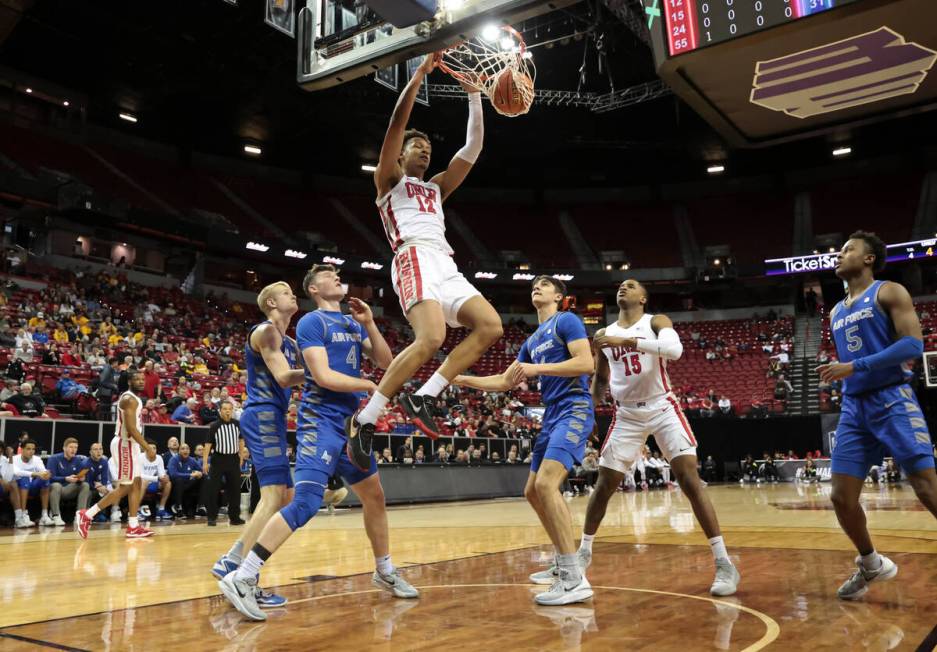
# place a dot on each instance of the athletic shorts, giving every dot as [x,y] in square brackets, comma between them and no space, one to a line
[34,485]
[264,430]
[631,425]
[127,459]
[419,273]
[153,488]
[878,423]
[321,454]
[566,429]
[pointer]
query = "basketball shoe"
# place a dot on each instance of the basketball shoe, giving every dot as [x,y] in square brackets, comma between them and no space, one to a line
[566,589]
[418,409]
[222,567]
[727,578]
[394,584]
[360,440]
[858,584]
[267,600]
[240,593]
[138,532]
[82,523]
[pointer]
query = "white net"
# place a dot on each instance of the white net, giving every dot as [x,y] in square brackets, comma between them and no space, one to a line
[482,60]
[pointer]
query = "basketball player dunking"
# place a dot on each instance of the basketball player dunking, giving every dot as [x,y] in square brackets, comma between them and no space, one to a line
[270,355]
[126,448]
[877,333]
[431,289]
[559,353]
[635,352]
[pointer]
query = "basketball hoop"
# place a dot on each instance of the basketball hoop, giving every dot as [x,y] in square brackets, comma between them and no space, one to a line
[497,64]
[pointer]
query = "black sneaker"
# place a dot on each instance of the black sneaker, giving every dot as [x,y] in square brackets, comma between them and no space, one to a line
[360,438]
[236,521]
[418,409]
[212,522]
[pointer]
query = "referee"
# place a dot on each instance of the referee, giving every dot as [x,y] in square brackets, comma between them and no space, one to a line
[224,439]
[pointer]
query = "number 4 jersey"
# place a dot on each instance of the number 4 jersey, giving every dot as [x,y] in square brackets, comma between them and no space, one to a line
[860,329]
[636,376]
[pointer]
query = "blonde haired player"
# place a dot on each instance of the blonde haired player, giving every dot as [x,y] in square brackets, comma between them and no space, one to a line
[271,357]
[126,449]
[636,349]
[431,289]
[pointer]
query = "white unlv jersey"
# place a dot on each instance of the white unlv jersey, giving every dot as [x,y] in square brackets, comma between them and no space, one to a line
[120,430]
[636,376]
[412,215]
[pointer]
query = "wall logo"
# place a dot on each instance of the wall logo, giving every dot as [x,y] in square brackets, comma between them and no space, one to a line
[870,67]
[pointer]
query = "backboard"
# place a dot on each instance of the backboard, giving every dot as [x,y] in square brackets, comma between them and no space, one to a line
[339,41]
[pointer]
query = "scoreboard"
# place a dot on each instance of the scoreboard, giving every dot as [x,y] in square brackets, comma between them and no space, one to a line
[894,253]
[692,24]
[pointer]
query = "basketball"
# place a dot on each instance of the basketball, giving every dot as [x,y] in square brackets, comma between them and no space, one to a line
[511,93]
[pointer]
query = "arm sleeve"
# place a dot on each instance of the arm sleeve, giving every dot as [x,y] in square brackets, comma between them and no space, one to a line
[907,348]
[310,331]
[667,345]
[570,328]
[475,132]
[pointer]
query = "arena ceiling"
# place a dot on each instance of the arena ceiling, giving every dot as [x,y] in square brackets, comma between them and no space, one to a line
[206,75]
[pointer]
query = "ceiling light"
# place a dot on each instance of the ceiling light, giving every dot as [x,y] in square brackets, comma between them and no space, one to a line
[816,251]
[65,103]
[369,265]
[367,167]
[253,149]
[608,266]
[332,260]
[29,90]
[832,250]
[716,169]
[257,246]
[842,151]
[491,33]
[717,262]
[626,266]
[507,43]
[527,55]
[488,275]
[291,253]
[127,117]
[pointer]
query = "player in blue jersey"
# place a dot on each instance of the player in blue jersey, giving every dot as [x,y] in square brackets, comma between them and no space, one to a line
[332,345]
[877,336]
[270,355]
[559,353]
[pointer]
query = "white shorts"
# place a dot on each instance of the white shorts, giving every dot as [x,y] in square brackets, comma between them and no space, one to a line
[420,273]
[127,460]
[631,426]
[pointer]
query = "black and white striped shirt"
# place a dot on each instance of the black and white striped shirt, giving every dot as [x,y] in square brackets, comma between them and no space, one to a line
[223,437]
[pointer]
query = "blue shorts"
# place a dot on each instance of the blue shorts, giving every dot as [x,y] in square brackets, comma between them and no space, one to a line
[566,429]
[321,454]
[33,484]
[153,488]
[264,430]
[878,423]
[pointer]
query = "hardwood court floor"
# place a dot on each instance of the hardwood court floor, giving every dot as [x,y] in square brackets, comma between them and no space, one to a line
[651,571]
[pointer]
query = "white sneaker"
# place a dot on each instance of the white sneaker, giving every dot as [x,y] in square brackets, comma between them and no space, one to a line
[24,522]
[564,591]
[241,595]
[727,578]
[57,520]
[858,584]
[115,516]
[45,520]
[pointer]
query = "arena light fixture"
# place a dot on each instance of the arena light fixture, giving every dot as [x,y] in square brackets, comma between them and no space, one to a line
[563,277]
[832,250]
[65,103]
[716,169]
[367,167]
[523,277]
[253,149]
[369,265]
[292,253]
[488,275]
[332,260]
[29,90]
[608,267]
[491,32]
[127,117]
[626,266]
[257,246]
[842,151]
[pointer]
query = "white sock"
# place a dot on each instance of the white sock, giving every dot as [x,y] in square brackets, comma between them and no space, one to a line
[45,512]
[586,543]
[19,514]
[872,561]
[383,564]
[132,522]
[719,548]
[93,511]
[434,386]
[250,567]
[372,410]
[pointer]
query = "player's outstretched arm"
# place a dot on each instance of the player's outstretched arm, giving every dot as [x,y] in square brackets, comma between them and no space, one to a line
[498,383]
[317,359]
[600,379]
[463,161]
[128,408]
[388,171]
[375,347]
[580,364]
[267,339]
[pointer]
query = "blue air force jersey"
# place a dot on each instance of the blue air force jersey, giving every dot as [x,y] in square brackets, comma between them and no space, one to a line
[861,329]
[342,337]
[548,345]
[262,387]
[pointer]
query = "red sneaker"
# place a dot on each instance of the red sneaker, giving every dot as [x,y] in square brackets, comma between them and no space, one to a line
[82,523]
[138,532]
